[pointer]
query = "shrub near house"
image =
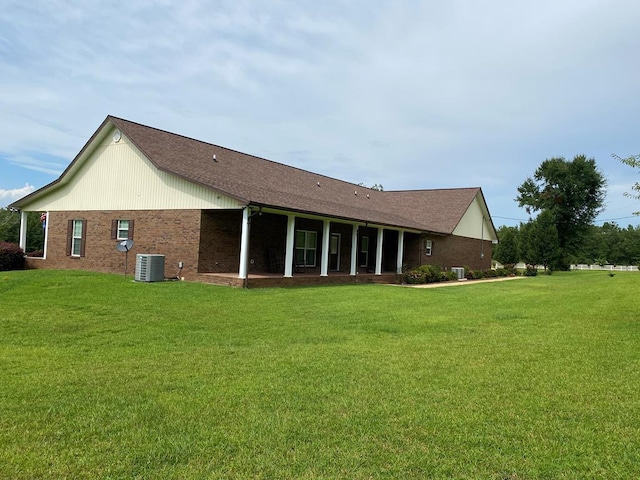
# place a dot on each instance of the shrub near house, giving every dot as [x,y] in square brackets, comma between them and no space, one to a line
[433,274]
[11,257]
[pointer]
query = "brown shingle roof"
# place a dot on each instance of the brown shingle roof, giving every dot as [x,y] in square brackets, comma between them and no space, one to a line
[258,181]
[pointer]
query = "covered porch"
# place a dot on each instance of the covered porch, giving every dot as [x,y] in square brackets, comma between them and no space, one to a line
[259,246]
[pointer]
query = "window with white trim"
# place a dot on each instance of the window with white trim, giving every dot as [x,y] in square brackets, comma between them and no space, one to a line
[306,247]
[428,247]
[76,238]
[121,229]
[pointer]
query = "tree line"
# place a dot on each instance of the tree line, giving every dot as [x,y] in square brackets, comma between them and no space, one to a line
[536,243]
[566,197]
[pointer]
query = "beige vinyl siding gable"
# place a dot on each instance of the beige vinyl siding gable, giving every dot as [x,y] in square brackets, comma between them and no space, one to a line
[476,222]
[117,176]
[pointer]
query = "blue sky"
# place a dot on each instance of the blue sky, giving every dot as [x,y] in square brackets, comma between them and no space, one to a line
[407,94]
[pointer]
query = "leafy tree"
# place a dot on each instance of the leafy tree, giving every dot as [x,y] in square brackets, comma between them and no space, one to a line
[540,242]
[506,251]
[633,161]
[375,186]
[571,193]
[620,246]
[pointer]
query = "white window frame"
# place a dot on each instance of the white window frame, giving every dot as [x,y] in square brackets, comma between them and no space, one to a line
[428,247]
[123,232]
[306,247]
[76,238]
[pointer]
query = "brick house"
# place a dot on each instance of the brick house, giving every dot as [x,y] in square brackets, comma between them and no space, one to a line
[222,216]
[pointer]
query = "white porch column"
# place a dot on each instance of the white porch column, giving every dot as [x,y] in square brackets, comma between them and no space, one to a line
[354,250]
[46,237]
[291,236]
[324,262]
[400,251]
[379,251]
[244,243]
[23,231]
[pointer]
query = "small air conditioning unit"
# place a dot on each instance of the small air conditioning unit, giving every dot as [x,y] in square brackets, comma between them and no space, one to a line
[459,271]
[149,267]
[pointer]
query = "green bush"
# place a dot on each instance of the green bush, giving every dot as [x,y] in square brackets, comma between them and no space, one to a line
[449,276]
[475,274]
[431,274]
[531,271]
[427,274]
[11,257]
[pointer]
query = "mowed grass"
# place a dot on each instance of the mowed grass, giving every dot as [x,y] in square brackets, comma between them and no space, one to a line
[103,377]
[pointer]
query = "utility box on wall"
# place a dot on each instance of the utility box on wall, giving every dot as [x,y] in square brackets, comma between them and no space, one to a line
[149,267]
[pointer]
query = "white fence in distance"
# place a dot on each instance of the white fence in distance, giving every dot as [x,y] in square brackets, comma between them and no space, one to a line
[610,268]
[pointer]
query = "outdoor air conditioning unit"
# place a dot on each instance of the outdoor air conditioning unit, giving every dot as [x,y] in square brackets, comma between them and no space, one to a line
[459,271]
[149,267]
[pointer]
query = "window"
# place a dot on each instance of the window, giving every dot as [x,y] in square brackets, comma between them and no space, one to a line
[76,237]
[428,247]
[121,229]
[306,248]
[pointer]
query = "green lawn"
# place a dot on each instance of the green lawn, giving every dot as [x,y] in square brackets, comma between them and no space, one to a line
[103,377]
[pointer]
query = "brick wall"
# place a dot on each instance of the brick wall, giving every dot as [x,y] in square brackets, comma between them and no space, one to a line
[177,235]
[173,233]
[412,250]
[454,251]
[447,252]
[220,241]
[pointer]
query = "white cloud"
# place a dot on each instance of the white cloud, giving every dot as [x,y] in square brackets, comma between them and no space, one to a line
[10,196]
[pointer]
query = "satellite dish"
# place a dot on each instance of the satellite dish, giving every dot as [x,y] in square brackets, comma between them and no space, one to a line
[124,245]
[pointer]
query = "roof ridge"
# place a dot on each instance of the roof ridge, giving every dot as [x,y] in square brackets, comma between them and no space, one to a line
[434,189]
